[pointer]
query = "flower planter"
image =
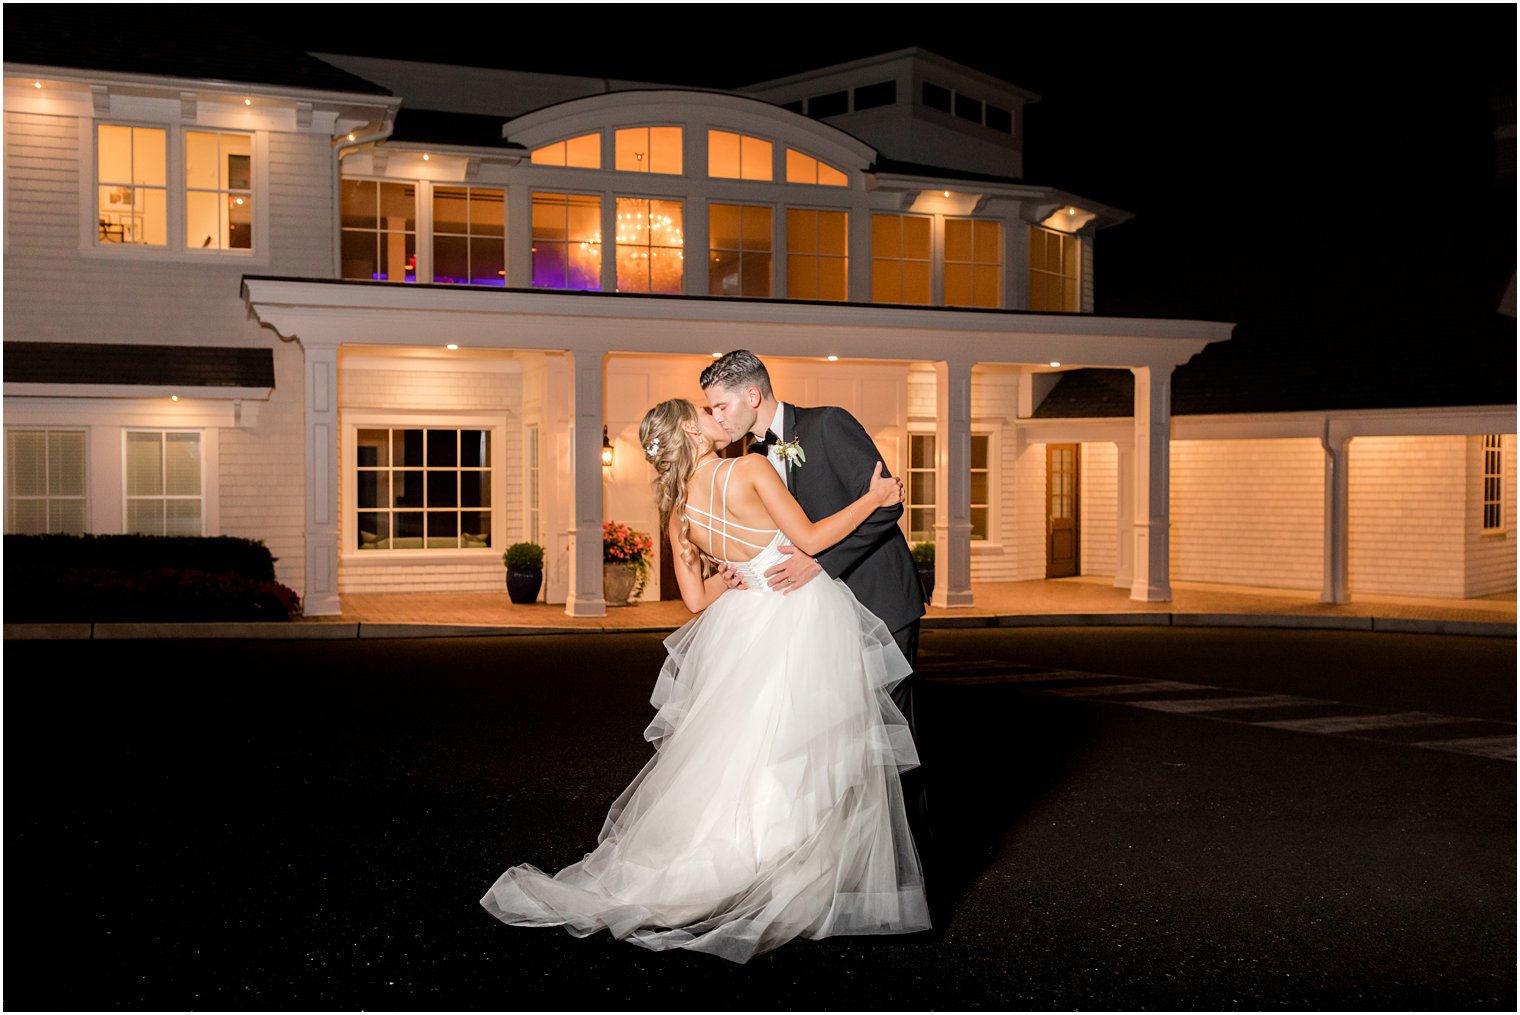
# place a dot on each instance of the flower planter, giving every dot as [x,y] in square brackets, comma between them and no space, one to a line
[618,581]
[523,585]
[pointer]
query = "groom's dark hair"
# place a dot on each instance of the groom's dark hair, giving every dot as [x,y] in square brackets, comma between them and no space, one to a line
[735,371]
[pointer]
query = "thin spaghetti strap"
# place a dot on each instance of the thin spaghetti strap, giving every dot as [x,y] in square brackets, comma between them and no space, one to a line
[721,515]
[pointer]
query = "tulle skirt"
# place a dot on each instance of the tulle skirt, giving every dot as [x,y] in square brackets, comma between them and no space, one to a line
[771,808]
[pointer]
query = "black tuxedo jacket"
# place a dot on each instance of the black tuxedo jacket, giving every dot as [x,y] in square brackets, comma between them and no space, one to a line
[873,560]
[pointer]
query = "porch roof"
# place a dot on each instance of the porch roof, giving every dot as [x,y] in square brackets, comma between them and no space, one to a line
[331,312]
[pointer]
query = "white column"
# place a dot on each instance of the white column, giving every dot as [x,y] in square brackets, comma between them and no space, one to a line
[952,483]
[1124,576]
[1153,437]
[584,598]
[321,598]
[1337,572]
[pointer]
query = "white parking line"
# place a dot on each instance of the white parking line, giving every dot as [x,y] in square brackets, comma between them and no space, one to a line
[1353,723]
[1488,747]
[1187,705]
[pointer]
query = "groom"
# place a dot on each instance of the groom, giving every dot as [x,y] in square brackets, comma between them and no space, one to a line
[873,560]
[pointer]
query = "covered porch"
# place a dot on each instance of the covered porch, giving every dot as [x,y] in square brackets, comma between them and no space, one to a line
[590,332]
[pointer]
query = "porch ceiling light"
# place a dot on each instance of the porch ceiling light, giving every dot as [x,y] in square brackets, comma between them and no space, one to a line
[606,448]
[37,84]
[426,157]
[832,359]
[174,398]
[1068,219]
[1055,362]
[247,102]
[451,345]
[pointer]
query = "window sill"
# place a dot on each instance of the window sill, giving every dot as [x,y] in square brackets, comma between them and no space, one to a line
[145,252]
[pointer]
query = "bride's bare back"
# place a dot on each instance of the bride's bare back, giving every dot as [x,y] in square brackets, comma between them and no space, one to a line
[728,521]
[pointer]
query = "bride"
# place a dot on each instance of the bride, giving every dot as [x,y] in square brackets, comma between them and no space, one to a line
[771,808]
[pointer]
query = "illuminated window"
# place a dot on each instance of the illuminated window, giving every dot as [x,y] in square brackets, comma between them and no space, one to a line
[379,227]
[740,257]
[423,488]
[649,150]
[817,262]
[921,488]
[132,185]
[584,152]
[737,156]
[44,481]
[1493,483]
[218,191]
[1053,271]
[921,477]
[567,241]
[469,235]
[164,496]
[973,263]
[802,168]
[901,253]
[981,486]
[649,246]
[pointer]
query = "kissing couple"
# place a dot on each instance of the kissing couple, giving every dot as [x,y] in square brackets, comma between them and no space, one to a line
[775,805]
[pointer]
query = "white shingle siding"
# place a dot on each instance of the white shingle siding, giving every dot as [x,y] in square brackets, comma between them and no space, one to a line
[1248,512]
[1407,500]
[410,397]
[1098,491]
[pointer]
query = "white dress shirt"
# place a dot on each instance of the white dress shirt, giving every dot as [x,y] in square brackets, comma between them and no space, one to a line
[772,452]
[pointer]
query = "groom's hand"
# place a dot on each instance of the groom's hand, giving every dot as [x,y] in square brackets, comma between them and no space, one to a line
[796,571]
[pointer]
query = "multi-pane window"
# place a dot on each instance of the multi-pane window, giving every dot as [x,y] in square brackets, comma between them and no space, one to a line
[44,481]
[740,254]
[1053,271]
[921,487]
[164,495]
[469,235]
[583,152]
[218,191]
[802,168]
[131,175]
[649,246]
[921,473]
[817,248]
[379,227]
[973,263]
[423,488]
[901,259]
[648,150]
[738,156]
[1493,482]
[981,486]
[530,483]
[567,241]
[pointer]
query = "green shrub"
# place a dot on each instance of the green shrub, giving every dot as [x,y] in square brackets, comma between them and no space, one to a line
[212,554]
[524,557]
[923,554]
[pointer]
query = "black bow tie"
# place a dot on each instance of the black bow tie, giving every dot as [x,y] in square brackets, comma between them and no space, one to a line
[762,445]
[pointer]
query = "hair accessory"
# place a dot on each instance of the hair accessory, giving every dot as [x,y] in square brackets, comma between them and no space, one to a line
[652,448]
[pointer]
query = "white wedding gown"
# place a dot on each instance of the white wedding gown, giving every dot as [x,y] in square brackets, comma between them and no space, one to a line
[771,808]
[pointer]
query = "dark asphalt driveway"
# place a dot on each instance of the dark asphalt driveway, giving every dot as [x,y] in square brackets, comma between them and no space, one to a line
[282,825]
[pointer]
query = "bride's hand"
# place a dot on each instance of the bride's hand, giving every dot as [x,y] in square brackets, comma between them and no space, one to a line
[888,490]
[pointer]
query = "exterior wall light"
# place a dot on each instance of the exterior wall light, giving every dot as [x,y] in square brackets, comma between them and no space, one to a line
[606,448]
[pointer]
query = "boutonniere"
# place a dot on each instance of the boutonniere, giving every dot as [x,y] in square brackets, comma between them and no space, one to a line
[791,453]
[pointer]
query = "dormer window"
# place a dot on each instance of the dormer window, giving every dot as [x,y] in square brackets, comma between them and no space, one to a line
[583,152]
[733,156]
[649,150]
[802,168]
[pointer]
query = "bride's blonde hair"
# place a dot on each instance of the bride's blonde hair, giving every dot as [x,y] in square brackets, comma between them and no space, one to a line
[673,454]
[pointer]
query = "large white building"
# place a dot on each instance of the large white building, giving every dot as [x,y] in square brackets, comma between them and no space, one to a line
[380,315]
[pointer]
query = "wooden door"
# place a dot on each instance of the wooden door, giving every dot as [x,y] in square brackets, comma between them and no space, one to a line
[1062,538]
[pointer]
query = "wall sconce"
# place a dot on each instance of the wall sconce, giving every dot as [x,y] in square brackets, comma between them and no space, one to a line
[606,449]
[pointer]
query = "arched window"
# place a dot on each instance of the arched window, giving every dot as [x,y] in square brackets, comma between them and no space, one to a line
[802,168]
[583,152]
[733,156]
[648,150]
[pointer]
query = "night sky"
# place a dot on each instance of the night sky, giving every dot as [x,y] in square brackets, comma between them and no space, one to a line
[1324,177]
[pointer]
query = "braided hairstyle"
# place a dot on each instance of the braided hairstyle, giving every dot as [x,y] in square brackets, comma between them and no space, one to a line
[673,454]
